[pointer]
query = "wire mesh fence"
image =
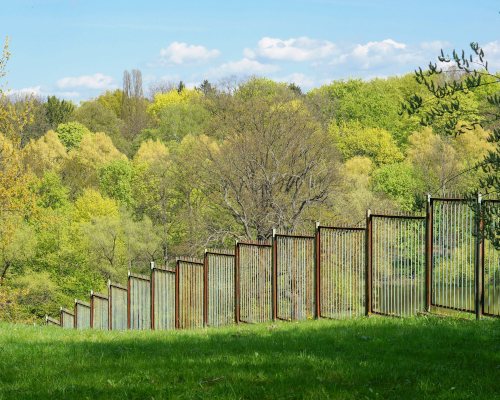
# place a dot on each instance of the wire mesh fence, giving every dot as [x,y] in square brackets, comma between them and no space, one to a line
[163,298]
[295,277]
[254,263]
[99,311]
[118,309]
[453,256]
[220,288]
[139,302]
[82,315]
[341,271]
[491,265]
[398,264]
[190,293]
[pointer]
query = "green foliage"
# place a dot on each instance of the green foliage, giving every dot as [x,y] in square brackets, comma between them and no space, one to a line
[51,192]
[352,139]
[58,111]
[398,182]
[71,134]
[115,180]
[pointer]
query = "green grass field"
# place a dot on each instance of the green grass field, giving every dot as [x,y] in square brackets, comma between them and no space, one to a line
[374,358]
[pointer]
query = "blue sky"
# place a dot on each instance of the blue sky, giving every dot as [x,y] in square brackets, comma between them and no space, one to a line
[79,48]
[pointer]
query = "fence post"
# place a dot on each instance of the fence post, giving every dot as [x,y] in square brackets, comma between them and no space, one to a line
[368,255]
[318,271]
[237,283]
[177,294]
[128,300]
[205,289]
[152,296]
[275,277]
[428,253]
[91,309]
[478,276]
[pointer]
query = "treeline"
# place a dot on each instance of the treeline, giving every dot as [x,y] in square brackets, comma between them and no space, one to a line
[88,191]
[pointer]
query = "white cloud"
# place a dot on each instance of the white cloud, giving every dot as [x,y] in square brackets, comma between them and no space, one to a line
[27,91]
[492,54]
[375,54]
[299,79]
[244,66]
[96,81]
[183,53]
[293,49]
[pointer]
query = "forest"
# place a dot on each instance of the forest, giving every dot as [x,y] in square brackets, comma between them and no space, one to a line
[140,174]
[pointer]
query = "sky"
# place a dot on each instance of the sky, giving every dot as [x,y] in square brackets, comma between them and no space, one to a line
[76,49]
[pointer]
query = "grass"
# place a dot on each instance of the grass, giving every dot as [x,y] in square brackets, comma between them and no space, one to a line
[369,358]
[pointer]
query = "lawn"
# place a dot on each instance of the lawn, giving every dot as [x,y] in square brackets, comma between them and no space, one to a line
[368,358]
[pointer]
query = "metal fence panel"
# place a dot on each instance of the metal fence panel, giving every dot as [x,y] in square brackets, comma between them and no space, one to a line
[491,268]
[220,289]
[342,272]
[295,275]
[52,321]
[190,294]
[67,319]
[398,265]
[99,311]
[255,267]
[453,254]
[163,296]
[82,315]
[117,307]
[139,302]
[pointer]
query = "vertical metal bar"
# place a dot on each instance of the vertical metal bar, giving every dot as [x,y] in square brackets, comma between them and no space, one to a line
[128,301]
[205,289]
[152,296]
[237,289]
[368,278]
[92,306]
[177,295]
[478,272]
[275,277]
[110,310]
[318,271]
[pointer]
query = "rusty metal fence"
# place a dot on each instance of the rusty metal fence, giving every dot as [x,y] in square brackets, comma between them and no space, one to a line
[118,310]
[453,253]
[341,271]
[66,318]
[99,311]
[190,293]
[219,295]
[397,263]
[254,270]
[82,315]
[294,272]
[490,262]
[139,302]
[162,298]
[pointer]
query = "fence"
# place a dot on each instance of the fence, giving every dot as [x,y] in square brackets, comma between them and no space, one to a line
[397,265]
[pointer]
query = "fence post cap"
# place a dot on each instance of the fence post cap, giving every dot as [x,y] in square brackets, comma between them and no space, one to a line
[152,264]
[206,250]
[91,292]
[479,197]
[274,232]
[368,212]
[128,273]
[109,282]
[428,197]
[60,308]
[317,224]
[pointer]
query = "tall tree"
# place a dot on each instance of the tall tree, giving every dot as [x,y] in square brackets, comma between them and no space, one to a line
[133,110]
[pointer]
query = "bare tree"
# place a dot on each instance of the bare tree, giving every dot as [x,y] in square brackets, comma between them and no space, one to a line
[133,104]
[274,163]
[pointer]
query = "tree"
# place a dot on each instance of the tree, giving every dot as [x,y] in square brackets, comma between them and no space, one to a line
[58,111]
[275,161]
[447,84]
[133,108]
[71,134]
[44,154]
